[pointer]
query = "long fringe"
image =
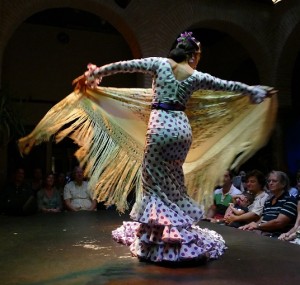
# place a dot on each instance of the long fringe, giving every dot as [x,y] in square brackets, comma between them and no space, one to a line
[227,130]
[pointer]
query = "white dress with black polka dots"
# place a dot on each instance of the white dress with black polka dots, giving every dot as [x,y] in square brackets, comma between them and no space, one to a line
[165,227]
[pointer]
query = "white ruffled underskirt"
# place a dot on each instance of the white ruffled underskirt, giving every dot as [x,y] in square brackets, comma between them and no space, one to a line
[158,243]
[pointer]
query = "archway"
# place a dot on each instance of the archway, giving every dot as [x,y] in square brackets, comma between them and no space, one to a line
[44,55]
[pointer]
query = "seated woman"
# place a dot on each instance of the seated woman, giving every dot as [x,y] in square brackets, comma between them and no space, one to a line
[49,199]
[255,182]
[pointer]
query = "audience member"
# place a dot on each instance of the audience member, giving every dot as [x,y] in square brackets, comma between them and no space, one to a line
[239,181]
[77,194]
[294,232]
[279,212]
[36,182]
[294,191]
[222,197]
[255,182]
[240,205]
[17,196]
[49,199]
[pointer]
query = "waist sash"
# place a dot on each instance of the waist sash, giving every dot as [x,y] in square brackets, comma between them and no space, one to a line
[167,107]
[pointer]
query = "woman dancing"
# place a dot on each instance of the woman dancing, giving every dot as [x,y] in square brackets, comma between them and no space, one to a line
[165,216]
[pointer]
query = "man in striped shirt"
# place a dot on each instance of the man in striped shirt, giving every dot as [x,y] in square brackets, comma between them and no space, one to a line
[280,210]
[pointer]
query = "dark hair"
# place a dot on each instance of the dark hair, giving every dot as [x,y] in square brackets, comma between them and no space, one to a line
[230,173]
[184,50]
[249,197]
[261,179]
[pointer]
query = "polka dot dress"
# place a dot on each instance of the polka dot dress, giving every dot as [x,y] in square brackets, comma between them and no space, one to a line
[165,231]
[165,218]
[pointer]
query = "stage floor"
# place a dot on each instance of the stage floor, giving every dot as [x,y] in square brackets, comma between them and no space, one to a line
[77,248]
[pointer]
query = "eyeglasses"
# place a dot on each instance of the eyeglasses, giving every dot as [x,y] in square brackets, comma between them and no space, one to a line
[272,181]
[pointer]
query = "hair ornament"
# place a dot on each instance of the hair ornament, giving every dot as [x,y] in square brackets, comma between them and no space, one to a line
[185,37]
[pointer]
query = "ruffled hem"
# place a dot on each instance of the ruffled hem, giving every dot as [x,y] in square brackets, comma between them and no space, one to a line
[126,233]
[170,244]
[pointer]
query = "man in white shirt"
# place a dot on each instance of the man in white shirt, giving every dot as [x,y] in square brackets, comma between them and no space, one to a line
[77,194]
[222,197]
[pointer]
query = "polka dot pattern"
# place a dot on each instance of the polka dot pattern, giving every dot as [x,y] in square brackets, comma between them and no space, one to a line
[151,242]
[165,217]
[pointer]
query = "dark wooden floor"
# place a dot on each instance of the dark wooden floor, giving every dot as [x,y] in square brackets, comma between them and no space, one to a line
[77,248]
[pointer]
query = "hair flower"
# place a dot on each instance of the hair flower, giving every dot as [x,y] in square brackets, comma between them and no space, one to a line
[186,36]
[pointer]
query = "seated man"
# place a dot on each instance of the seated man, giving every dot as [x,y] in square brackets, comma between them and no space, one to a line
[255,182]
[280,210]
[77,194]
[222,198]
[17,197]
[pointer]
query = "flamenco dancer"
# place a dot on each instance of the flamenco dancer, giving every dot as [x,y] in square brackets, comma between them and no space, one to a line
[165,217]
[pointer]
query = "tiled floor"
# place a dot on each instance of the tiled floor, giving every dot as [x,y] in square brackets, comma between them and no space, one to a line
[77,248]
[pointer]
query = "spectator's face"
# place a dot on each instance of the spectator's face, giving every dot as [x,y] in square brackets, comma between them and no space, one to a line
[50,180]
[252,185]
[78,175]
[274,183]
[227,179]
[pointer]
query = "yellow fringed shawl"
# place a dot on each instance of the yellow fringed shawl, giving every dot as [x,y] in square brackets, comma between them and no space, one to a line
[109,126]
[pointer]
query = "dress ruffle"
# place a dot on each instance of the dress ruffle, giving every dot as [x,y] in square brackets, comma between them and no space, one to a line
[168,243]
[165,231]
[126,233]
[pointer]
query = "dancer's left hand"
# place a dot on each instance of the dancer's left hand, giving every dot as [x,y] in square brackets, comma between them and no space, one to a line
[271,92]
[79,83]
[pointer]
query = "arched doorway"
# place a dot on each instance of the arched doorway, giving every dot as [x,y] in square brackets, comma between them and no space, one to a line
[46,52]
